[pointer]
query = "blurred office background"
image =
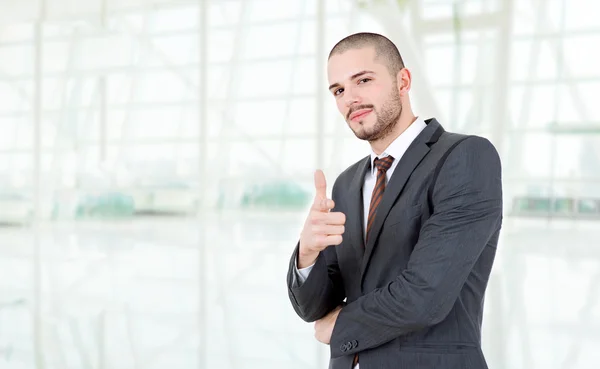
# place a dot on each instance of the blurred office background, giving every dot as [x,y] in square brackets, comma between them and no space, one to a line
[156,162]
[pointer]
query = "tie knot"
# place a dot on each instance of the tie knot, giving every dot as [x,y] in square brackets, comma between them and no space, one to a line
[384,163]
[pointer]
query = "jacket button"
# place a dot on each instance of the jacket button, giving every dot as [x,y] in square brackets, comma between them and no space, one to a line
[343,347]
[354,344]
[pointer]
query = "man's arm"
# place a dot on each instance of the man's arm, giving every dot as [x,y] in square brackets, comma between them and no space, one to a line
[323,288]
[467,201]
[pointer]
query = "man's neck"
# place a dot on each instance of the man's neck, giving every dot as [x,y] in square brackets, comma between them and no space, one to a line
[380,145]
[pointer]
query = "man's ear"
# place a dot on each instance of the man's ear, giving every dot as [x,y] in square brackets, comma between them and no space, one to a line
[403,80]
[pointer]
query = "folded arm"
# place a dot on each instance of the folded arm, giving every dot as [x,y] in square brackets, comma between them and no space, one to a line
[467,203]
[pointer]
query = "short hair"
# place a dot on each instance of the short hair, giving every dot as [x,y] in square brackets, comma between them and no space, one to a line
[384,48]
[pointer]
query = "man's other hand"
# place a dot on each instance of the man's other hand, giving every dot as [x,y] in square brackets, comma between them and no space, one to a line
[324,326]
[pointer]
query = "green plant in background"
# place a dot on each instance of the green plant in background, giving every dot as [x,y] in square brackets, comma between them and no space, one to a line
[108,205]
[544,206]
[276,195]
[589,207]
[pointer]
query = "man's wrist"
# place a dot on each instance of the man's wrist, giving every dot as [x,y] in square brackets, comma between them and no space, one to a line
[306,259]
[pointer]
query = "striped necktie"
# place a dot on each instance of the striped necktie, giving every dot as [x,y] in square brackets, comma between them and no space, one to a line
[382,166]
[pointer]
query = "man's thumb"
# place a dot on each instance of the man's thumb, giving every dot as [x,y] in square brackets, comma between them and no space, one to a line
[320,184]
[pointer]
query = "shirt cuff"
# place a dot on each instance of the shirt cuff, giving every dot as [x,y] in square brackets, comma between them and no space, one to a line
[300,275]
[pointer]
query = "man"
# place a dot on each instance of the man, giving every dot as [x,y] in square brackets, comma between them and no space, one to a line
[393,268]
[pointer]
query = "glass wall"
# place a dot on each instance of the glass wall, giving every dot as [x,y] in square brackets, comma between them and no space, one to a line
[157,157]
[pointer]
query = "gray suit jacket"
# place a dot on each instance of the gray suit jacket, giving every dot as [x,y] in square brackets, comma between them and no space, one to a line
[413,295]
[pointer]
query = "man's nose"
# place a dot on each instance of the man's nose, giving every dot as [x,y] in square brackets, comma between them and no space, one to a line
[351,98]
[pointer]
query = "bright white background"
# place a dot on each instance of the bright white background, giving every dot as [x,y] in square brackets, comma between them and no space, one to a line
[156,159]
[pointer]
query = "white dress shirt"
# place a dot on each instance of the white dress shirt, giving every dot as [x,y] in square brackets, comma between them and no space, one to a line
[396,149]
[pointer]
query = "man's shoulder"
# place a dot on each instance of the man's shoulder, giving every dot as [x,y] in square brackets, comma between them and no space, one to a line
[460,147]
[449,140]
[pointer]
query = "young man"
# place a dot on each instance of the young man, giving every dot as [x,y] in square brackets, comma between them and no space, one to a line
[393,268]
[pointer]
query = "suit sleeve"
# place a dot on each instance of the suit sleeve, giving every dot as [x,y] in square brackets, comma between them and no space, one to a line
[300,275]
[323,289]
[467,212]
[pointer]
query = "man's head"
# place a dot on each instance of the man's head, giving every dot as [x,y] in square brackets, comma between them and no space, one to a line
[369,82]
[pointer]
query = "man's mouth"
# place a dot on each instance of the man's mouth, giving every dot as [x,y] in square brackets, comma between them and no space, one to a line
[359,114]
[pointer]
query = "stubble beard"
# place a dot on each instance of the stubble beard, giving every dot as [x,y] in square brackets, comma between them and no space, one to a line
[387,119]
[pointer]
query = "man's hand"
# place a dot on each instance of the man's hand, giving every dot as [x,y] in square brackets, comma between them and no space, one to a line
[322,228]
[324,326]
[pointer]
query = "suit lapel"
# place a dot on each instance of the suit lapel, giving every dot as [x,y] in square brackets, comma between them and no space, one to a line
[407,164]
[356,208]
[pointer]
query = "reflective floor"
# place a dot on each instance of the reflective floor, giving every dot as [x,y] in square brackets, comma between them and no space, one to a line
[128,294]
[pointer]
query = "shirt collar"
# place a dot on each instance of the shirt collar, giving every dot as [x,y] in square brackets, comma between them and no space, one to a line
[398,147]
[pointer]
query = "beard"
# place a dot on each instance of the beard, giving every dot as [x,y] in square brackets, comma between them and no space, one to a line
[386,118]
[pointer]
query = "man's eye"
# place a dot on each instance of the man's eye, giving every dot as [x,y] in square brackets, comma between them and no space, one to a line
[338,91]
[365,80]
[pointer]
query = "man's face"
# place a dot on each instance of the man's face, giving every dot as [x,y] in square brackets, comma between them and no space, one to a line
[366,94]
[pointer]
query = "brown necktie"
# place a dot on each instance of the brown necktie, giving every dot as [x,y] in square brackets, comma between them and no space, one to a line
[382,166]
